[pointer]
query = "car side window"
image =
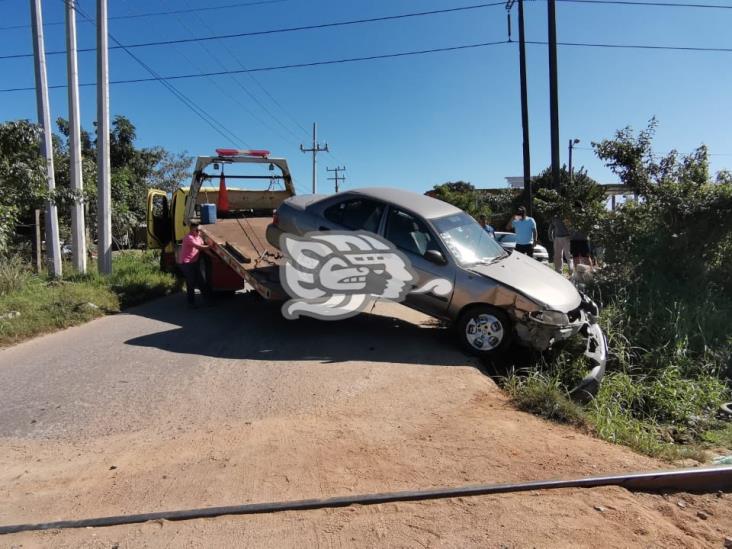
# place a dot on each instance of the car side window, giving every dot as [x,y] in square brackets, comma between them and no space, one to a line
[356,214]
[408,233]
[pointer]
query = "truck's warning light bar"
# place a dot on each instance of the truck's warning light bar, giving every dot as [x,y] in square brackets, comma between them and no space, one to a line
[240,152]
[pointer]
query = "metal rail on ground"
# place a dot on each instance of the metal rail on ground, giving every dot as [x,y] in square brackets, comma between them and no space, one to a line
[698,479]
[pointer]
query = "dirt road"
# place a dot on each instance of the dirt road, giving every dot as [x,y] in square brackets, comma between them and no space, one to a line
[164,408]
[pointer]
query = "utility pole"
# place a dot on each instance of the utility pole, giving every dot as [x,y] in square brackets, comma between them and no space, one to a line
[315,150]
[53,247]
[104,193]
[572,143]
[78,235]
[524,105]
[336,178]
[553,90]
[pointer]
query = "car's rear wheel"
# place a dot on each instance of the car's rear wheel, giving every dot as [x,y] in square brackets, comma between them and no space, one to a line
[484,330]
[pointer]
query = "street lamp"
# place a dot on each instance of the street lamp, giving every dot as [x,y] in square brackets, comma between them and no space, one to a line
[572,143]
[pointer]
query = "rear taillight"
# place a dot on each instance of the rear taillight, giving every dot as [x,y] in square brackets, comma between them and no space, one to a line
[275,218]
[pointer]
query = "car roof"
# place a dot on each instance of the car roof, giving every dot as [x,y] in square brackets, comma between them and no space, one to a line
[421,204]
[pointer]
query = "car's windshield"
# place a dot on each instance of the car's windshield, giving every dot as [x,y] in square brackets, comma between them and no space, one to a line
[468,242]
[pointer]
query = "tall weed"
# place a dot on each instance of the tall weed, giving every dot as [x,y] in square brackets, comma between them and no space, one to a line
[14,274]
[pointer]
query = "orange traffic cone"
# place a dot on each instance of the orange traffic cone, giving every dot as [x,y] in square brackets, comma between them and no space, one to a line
[223,201]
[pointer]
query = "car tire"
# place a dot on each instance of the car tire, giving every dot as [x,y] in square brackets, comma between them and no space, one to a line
[484,331]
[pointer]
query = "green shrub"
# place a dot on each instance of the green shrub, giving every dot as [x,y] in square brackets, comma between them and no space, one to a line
[137,278]
[45,304]
[14,274]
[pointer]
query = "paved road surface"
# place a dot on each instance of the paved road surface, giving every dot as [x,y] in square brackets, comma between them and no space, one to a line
[167,408]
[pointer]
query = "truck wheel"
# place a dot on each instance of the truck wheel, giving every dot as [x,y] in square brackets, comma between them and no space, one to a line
[484,330]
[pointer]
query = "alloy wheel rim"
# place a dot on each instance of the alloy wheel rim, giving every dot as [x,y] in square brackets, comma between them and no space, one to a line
[484,332]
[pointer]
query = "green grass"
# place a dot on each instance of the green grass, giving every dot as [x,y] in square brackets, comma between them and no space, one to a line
[46,305]
[610,418]
[546,397]
[719,437]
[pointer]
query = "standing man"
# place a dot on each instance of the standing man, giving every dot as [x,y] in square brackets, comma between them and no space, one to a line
[525,229]
[487,228]
[190,251]
[560,237]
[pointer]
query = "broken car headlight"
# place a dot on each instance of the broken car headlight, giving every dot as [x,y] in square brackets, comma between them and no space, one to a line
[555,318]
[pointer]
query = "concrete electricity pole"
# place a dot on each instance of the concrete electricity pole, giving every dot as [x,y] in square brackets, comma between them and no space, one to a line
[336,178]
[524,104]
[78,233]
[53,247]
[553,90]
[104,193]
[315,150]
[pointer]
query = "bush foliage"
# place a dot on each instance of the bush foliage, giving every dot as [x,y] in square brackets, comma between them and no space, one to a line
[666,288]
[34,304]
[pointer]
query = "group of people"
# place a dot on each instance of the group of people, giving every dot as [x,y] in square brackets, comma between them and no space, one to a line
[570,246]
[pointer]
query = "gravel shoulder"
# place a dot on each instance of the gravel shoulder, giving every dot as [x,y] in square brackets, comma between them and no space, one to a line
[163,408]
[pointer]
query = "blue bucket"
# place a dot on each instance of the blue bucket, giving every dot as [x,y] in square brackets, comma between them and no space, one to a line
[208,214]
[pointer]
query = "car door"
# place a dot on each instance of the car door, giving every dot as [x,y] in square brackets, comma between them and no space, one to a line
[412,236]
[158,220]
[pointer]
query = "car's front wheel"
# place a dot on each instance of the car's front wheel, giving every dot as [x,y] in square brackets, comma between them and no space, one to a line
[484,330]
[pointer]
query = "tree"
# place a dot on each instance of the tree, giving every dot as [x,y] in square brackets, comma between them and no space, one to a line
[679,234]
[461,195]
[630,156]
[134,171]
[22,176]
[579,199]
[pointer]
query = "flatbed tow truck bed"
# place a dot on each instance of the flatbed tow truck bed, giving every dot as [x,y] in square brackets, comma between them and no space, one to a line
[239,252]
[241,244]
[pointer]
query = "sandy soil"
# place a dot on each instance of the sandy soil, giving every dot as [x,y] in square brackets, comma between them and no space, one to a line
[378,403]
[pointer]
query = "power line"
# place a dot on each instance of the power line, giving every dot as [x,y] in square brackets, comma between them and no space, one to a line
[274,31]
[217,126]
[381,56]
[651,4]
[633,46]
[282,67]
[240,84]
[216,82]
[162,13]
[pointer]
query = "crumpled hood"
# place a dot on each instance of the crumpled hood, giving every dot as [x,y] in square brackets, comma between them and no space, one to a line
[536,281]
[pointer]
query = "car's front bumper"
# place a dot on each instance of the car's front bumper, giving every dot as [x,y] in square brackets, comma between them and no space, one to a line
[596,351]
[542,335]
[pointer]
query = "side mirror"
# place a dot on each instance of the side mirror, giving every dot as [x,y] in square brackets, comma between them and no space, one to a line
[435,256]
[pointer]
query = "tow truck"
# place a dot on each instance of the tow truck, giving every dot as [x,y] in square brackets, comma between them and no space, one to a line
[240,253]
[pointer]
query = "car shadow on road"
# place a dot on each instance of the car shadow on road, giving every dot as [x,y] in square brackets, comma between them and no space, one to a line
[244,326]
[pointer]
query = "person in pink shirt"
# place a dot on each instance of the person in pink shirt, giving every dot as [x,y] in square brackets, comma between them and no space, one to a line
[188,262]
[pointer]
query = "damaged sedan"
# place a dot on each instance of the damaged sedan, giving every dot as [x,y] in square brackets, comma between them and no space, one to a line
[497,298]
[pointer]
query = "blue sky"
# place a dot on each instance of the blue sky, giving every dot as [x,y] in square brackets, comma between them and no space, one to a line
[411,122]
